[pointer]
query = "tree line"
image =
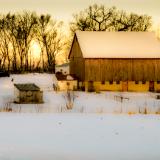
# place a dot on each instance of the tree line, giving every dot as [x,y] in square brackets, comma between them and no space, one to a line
[19,30]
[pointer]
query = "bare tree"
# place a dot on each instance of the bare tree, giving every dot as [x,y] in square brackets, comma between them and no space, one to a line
[101,18]
[21,29]
[27,30]
[17,33]
[51,40]
[4,46]
[9,21]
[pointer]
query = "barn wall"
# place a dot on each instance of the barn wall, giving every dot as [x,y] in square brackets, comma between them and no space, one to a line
[122,69]
[131,86]
[98,86]
[140,87]
[76,60]
[157,86]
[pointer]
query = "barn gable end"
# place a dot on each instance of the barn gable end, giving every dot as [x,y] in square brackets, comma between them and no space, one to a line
[76,60]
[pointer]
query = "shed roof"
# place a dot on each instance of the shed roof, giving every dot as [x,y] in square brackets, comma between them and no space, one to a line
[27,87]
[102,44]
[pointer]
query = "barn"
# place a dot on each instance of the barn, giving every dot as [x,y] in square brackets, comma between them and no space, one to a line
[116,61]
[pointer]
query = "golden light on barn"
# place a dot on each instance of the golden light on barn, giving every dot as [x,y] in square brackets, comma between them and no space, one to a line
[119,61]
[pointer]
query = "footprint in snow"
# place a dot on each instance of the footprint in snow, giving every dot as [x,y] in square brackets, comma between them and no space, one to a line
[116,133]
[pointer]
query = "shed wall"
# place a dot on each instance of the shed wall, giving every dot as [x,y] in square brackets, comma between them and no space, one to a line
[28,96]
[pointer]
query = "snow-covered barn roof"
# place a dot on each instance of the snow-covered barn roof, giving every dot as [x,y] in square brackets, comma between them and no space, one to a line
[101,44]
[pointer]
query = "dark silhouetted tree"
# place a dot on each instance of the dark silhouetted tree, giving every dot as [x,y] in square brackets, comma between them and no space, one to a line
[51,40]
[101,18]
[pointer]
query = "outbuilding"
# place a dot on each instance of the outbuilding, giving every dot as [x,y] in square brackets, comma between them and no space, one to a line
[116,61]
[66,82]
[27,93]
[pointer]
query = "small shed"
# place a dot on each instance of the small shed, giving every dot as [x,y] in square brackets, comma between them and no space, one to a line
[66,82]
[27,93]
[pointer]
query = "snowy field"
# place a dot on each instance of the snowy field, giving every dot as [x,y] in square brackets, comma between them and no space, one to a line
[55,102]
[99,127]
[79,137]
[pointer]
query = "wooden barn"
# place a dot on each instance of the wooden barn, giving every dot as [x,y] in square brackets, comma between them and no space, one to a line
[116,61]
[27,93]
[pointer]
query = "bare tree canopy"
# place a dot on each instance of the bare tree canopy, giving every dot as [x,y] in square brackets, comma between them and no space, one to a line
[101,18]
[18,31]
[51,40]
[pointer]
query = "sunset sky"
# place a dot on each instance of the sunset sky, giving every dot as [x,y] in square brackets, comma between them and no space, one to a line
[63,9]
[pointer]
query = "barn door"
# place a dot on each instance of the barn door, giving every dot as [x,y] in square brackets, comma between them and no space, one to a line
[151,86]
[90,86]
[125,86]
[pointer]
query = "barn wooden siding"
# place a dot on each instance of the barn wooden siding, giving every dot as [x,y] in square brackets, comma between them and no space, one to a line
[116,69]
[76,60]
[122,69]
[112,69]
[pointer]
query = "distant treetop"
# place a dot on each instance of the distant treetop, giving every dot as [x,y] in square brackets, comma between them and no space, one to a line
[102,18]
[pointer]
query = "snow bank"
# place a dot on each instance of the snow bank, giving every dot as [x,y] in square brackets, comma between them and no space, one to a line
[79,136]
[44,81]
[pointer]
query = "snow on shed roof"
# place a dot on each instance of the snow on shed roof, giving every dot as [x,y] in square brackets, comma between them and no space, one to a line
[100,44]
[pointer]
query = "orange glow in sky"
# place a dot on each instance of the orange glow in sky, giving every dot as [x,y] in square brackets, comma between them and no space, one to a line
[35,49]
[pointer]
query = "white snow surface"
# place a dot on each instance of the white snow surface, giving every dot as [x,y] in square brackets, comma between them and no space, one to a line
[79,136]
[97,128]
[118,44]
[44,81]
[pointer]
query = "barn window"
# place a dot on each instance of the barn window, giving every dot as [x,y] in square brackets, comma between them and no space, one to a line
[143,82]
[136,82]
[103,82]
[110,82]
[158,82]
[117,82]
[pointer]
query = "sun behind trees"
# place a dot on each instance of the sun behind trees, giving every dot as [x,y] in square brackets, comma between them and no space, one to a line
[18,32]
